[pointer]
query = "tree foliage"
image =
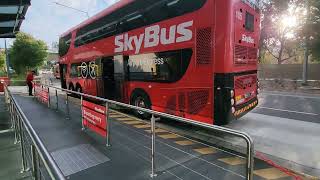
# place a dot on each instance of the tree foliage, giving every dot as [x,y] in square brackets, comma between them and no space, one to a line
[312,29]
[274,36]
[27,53]
[2,59]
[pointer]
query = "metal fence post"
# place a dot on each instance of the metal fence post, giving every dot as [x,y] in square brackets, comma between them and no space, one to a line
[48,97]
[16,129]
[153,138]
[82,124]
[11,114]
[108,125]
[57,103]
[34,160]
[250,161]
[67,106]
[35,91]
[23,160]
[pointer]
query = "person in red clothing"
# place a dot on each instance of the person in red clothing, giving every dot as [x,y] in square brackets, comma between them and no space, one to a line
[29,80]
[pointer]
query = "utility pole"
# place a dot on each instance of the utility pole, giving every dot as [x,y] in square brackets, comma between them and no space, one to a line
[306,48]
[79,10]
[7,57]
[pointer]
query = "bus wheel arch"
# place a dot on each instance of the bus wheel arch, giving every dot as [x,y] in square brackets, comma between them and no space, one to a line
[140,98]
[71,87]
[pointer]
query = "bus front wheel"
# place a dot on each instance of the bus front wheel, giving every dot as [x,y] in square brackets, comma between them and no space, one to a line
[141,99]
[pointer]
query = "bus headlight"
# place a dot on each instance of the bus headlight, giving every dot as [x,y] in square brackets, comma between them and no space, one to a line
[233,110]
[232,102]
[232,93]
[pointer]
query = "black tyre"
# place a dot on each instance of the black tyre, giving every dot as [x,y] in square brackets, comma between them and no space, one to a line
[79,90]
[141,99]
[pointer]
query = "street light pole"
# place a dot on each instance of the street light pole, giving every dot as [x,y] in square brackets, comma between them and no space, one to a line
[7,57]
[306,50]
[79,10]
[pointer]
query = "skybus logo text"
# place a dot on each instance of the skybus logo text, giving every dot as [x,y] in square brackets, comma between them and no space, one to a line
[153,36]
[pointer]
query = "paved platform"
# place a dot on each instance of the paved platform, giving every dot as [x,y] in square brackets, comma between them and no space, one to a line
[177,157]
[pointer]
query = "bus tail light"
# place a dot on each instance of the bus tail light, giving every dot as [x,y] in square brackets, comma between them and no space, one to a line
[232,93]
[232,102]
[233,110]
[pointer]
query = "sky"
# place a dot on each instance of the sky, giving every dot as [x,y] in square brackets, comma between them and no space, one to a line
[46,20]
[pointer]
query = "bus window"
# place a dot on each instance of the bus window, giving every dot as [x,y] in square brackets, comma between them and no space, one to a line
[64,44]
[169,66]
[135,15]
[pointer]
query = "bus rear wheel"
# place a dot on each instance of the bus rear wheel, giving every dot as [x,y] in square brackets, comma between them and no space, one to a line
[142,100]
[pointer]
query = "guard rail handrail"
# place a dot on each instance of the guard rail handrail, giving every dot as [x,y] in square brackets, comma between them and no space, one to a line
[50,165]
[243,135]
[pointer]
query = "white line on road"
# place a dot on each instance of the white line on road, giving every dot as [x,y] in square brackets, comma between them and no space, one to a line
[290,95]
[312,114]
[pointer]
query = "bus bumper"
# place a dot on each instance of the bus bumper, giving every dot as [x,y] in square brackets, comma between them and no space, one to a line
[243,109]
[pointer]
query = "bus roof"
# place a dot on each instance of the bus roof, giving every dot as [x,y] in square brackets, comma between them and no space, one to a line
[103,13]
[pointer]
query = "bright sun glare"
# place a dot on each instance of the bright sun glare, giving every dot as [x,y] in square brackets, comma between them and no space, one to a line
[289,21]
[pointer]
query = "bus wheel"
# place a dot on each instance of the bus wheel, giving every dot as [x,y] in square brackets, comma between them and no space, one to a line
[141,99]
[79,90]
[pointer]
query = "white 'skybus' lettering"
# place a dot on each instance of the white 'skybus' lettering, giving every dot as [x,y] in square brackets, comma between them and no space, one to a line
[153,36]
[247,39]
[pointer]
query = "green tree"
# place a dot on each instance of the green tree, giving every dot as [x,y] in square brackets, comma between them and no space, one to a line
[312,29]
[27,53]
[2,60]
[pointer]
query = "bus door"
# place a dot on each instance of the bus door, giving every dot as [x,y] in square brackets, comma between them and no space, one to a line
[120,77]
[63,72]
[108,79]
[99,79]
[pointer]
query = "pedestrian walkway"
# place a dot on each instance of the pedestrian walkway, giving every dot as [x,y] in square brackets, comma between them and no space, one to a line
[83,155]
[10,153]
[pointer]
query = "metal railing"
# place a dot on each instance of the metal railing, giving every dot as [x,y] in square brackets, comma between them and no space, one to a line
[34,154]
[218,129]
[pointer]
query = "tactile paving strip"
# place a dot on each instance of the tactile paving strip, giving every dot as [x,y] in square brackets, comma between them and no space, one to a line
[78,158]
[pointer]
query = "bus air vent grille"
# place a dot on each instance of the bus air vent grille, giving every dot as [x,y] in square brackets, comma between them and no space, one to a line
[252,53]
[204,43]
[182,102]
[245,55]
[245,81]
[197,100]
[171,105]
[241,52]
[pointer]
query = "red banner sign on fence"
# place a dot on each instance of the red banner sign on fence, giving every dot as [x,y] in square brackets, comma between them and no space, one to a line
[41,93]
[94,117]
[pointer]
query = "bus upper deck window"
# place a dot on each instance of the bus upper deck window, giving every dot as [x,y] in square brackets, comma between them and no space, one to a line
[249,22]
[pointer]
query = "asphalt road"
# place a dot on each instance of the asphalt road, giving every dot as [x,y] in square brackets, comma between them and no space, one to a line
[302,107]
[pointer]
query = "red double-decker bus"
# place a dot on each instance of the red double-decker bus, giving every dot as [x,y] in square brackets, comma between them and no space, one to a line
[191,58]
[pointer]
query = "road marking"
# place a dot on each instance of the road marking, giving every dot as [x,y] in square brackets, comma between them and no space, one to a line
[125,119]
[233,161]
[290,95]
[157,131]
[169,136]
[132,122]
[185,143]
[205,151]
[142,126]
[298,112]
[116,116]
[270,173]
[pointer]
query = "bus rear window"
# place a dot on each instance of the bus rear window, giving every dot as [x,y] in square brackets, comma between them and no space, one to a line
[249,22]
